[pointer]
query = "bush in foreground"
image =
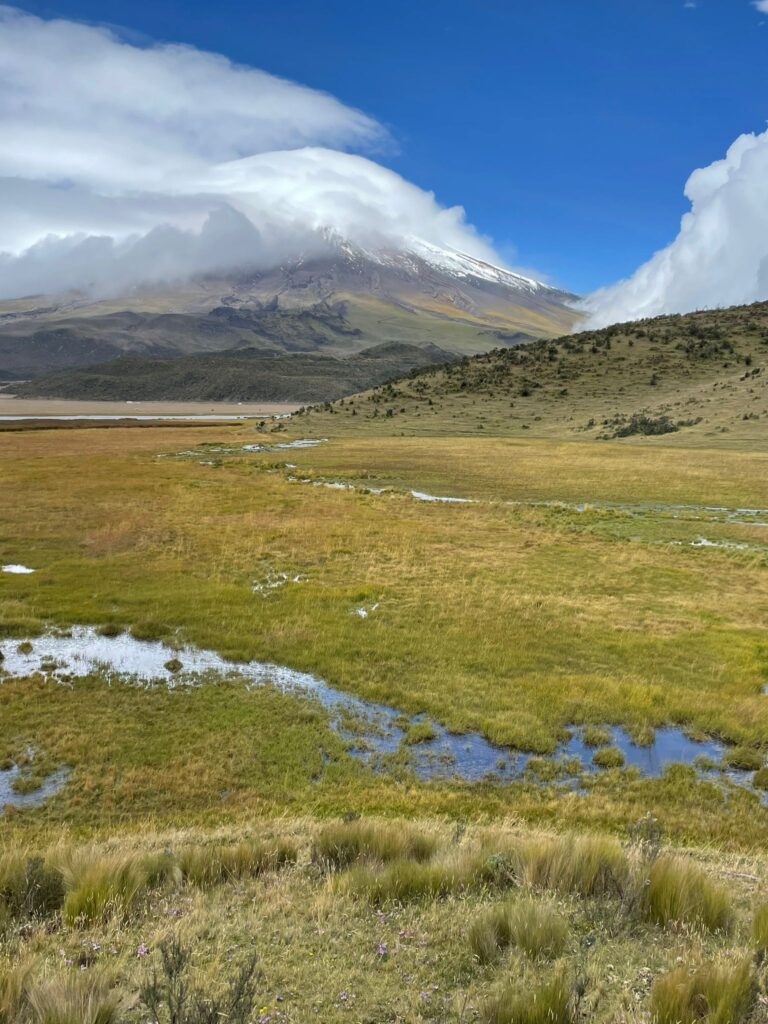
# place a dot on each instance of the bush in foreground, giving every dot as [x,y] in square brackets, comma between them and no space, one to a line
[171,996]
[29,887]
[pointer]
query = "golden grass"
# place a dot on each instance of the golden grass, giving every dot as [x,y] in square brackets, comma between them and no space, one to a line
[328,953]
[527,618]
[679,893]
[550,1002]
[715,994]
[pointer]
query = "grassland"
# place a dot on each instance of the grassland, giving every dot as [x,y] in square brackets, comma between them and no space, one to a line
[513,620]
[613,583]
[381,922]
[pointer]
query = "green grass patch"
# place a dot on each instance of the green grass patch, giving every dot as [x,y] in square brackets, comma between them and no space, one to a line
[550,1002]
[608,757]
[679,893]
[530,925]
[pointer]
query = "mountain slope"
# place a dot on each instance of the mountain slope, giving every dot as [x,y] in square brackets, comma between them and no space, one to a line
[700,378]
[346,301]
[83,341]
[243,375]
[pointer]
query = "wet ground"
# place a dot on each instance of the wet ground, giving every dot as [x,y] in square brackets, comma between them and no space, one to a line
[378,735]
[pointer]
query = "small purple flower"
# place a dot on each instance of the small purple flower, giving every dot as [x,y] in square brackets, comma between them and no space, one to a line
[142,950]
[381,949]
[343,997]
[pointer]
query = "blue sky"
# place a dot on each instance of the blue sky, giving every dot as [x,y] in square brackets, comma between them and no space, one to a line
[566,129]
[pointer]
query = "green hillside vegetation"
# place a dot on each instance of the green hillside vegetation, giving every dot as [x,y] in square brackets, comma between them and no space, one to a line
[242,375]
[699,378]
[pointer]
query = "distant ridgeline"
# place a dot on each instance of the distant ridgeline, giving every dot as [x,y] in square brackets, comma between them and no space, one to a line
[240,375]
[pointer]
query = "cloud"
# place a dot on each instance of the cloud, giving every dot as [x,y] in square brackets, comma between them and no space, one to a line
[124,164]
[761,5]
[720,256]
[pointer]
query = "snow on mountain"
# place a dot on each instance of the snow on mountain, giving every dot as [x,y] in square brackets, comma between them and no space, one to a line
[459,264]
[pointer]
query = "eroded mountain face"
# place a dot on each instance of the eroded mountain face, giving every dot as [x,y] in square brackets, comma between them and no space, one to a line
[344,302]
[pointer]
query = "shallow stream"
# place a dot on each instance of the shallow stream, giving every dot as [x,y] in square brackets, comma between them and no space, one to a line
[378,735]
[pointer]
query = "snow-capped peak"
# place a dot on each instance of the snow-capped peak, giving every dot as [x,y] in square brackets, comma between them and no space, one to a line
[459,264]
[415,252]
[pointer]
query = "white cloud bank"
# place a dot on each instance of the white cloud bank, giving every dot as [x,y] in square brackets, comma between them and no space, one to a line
[720,256]
[124,165]
[761,5]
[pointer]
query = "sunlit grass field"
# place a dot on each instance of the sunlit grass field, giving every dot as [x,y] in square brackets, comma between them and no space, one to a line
[571,588]
[503,616]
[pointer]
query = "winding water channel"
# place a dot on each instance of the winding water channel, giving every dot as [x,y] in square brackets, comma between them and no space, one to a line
[376,732]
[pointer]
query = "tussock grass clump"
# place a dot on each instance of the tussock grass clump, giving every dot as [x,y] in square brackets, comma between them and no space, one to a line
[608,757]
[680,893]
[404,880]
[552,1002]
[714,994]
[149,629]
[102,887]
[14,982]
[89,886]
[69,998]
[760,930]
[596,736]
[109,629]
[490,934]
[29,887]
[587,866]
[744,758]
[419,732]
[338,846]
[86,998]
[532,926]
[207,865]
[760,779]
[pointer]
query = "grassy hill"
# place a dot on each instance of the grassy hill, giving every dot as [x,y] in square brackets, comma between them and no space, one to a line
[699,378]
